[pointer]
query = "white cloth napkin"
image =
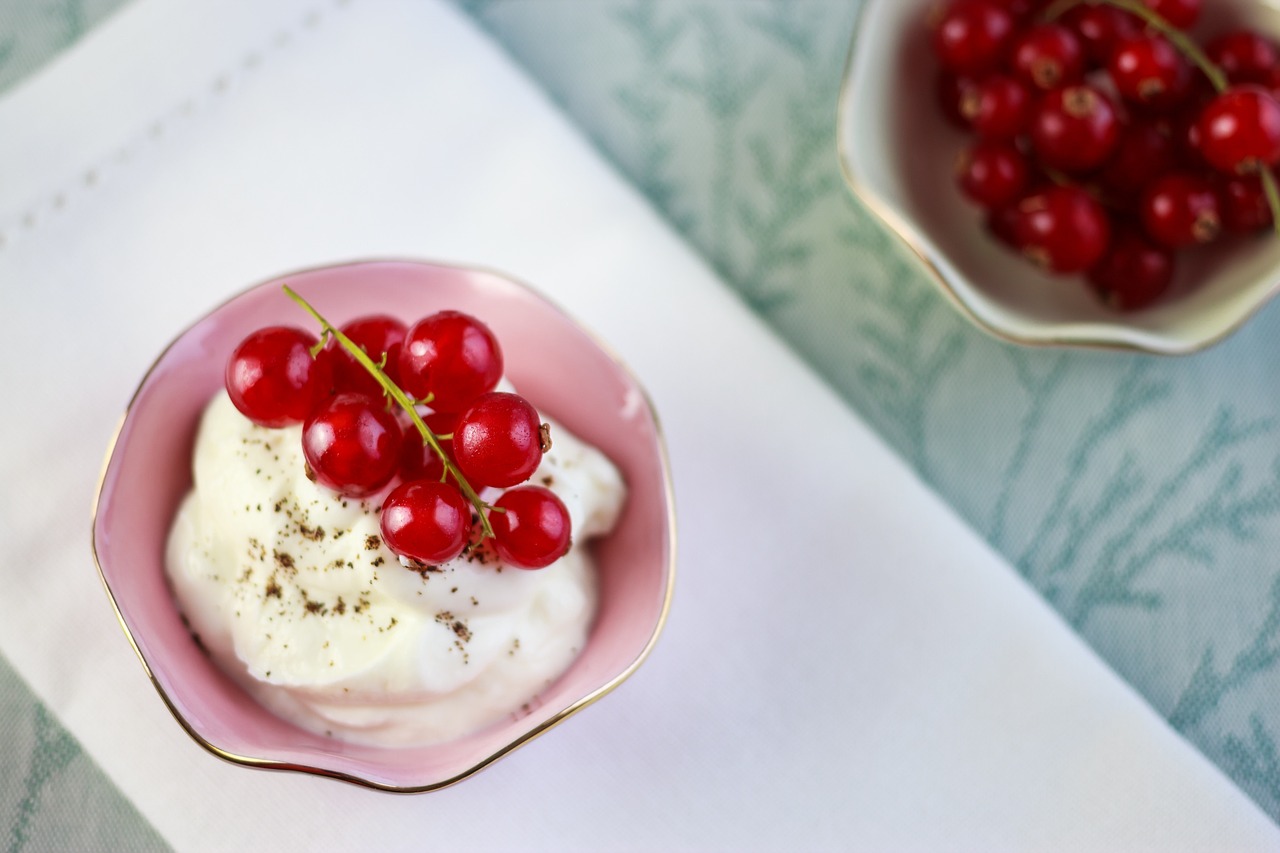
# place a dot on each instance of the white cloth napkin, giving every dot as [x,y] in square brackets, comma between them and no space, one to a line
[846,665]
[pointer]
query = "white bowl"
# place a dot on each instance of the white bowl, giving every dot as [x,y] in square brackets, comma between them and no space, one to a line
[897,152]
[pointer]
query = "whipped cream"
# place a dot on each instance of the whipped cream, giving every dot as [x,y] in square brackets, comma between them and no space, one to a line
[291,590]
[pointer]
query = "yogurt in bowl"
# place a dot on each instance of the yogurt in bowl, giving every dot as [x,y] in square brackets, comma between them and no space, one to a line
[567,375]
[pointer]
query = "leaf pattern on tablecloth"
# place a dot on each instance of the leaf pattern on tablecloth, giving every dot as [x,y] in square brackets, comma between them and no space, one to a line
[1140,496]
[53,797]
[1156,541]
[32,32]
[54,749]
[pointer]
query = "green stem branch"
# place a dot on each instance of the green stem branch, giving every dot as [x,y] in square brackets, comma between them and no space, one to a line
[1273,196]
[406,403]
[1180,40]
[1187,46]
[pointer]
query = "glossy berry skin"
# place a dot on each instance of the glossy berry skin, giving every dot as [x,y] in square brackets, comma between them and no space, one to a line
[1133,274]
[1074,129]
[1149,71]
[272,378]
[1244,56]
[418,461]
[1243,203]
[1146,151]
[1047,56]
[376,334]
[426,521]
[992,174]
[997,108]
[1062,229]
[1100,28]
[971,36]
[533,531]
[452,356]
[498,440]
[1180,209]
[352,444]
[1181,14]
[1240,130]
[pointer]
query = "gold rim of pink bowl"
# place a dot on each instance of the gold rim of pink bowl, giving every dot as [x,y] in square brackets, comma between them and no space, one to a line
[845,154]
[542,728]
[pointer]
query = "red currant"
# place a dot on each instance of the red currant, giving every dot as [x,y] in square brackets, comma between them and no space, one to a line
[951,91]
[377,335]
[1240,130]
[992,174]
[451,356]
[1021,9]
[1062,229]
[272,378]
[1243,203]
[1272,83]
[1181,14]
[1074,129]
[1181,209]
[418,461]
[426,521]
[1100,28]
[1047,56]
[971,36]
[498,440]
[1149,71]
[1003,224]
[533,530]
[1244,56]
[1133,274]
[1146,151]
[352,444]
[1185,132]
[997,108]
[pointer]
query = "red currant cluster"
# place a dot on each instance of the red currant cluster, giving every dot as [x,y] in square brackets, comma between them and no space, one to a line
[343,389]
[1106,137]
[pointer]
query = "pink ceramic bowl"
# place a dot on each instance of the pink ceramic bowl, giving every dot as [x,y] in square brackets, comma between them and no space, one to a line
[559,367]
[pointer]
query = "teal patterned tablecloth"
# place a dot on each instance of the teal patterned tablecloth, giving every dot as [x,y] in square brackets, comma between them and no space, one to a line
[1139,495]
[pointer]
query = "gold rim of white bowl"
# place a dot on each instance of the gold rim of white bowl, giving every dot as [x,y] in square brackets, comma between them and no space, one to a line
[899,225]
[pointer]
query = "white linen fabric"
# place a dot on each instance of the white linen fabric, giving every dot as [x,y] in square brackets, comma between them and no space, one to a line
[845,666]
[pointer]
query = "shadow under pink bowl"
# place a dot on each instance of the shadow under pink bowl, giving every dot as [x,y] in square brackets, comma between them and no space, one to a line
[560,368]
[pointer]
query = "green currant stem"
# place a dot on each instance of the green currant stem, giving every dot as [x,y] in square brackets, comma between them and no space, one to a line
[1189,49]
[403,399]
[1154,20]
[1273,196]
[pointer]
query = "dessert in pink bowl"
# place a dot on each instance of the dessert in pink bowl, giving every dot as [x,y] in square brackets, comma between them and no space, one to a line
[562,370]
